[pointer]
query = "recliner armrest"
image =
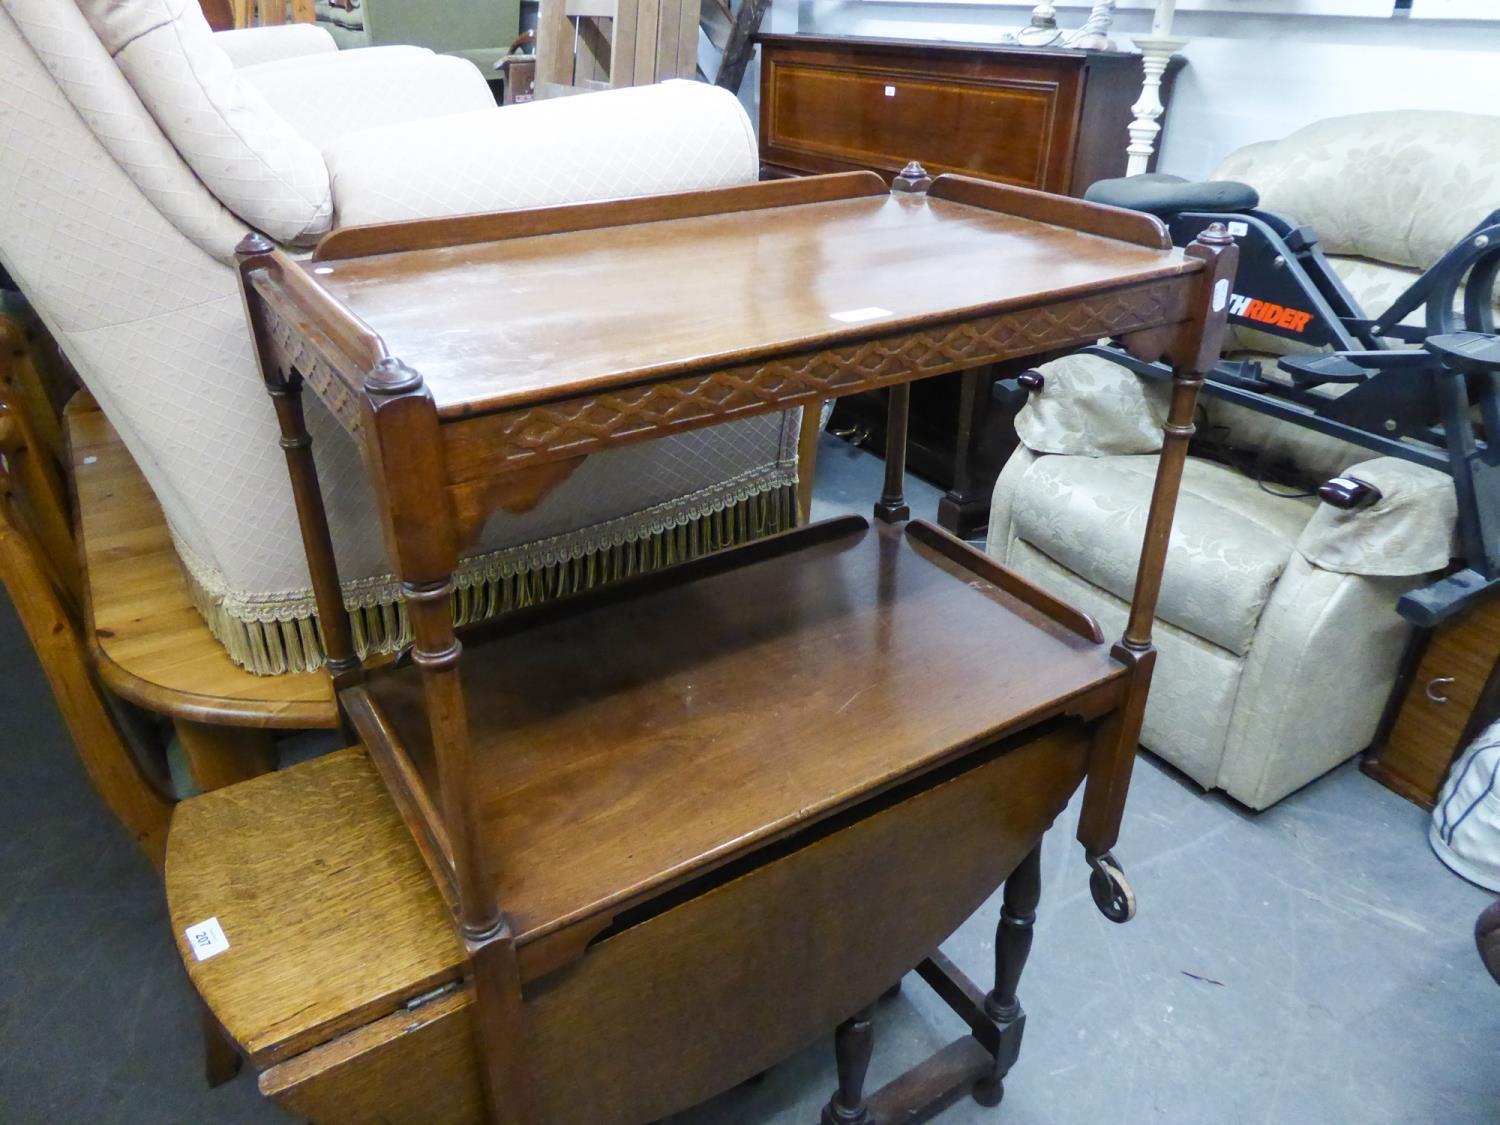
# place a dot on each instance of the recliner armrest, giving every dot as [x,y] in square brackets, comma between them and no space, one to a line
[249,46]
[643,140]
[1407,530]
[1092,407]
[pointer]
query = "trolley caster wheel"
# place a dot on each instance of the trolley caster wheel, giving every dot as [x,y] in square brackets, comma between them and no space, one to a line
[1111,891]
[988,1092]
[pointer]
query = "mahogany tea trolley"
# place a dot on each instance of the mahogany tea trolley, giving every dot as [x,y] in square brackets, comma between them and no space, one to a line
[683,825]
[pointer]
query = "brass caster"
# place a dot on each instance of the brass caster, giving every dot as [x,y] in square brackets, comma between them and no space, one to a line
[1111,890]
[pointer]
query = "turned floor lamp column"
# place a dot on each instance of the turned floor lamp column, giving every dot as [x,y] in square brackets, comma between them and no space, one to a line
[1157,50]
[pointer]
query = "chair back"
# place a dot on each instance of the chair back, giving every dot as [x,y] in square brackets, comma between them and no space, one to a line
[38,569]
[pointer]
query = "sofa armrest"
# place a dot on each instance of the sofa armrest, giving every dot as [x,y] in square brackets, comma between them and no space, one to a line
[248,46]
[1405,529]
[643,140]
[328,97]
[1092,407]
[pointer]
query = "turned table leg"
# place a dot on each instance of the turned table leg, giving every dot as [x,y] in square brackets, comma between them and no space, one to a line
[218,755]
[853,1042]
[1023,890]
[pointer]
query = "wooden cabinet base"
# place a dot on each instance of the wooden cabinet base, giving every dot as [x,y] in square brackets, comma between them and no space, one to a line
[1449,691]
[688,1001]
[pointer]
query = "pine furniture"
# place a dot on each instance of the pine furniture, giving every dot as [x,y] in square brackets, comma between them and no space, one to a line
[648,827]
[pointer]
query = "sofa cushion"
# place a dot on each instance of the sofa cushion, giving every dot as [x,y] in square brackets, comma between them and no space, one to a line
[252,160]
[1230,542]
[615,144]
[1398,187]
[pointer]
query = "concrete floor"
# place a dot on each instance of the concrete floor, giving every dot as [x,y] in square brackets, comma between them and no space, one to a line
[1313,963]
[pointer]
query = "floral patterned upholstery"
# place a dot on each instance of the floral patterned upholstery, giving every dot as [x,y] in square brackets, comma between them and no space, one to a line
[1277,634]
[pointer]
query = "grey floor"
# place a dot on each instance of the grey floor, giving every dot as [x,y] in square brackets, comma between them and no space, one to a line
[1312,963]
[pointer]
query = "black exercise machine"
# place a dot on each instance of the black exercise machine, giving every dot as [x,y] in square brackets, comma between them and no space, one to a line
[1413,391]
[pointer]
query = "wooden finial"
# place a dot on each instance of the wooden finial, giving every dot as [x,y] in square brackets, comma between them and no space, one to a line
[253,245]
[912,178]
[392,377]
[1215,234]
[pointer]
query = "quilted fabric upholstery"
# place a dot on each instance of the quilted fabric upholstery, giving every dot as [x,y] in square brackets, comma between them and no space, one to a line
[328,96]
[675,136]
[1305,696]
[252,46]
[124,255]
[1193,688]
[1090,406]
[1317,677]
[1398,187]
[251,159]
[1229,544]
[1408,531]
[88,104]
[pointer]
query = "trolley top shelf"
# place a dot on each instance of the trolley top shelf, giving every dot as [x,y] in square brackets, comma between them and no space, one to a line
[512,309]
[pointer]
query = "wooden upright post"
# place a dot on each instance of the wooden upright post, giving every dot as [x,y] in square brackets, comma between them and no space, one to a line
[1193,354]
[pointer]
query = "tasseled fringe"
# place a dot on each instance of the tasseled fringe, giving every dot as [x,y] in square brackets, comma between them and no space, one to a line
[271,648]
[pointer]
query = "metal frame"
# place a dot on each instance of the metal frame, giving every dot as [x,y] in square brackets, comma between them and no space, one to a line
[1404,402]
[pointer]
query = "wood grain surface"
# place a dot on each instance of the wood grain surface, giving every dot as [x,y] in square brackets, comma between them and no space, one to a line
[150,644]
[661,717]
[331,916]
[721,986]
[719,290]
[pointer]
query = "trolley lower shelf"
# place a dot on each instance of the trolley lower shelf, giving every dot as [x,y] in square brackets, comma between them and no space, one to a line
[629,741]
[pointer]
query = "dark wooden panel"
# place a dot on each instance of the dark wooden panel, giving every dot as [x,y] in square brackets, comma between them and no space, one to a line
[879,112]
[621,722]
[670,1011]
[1447,695]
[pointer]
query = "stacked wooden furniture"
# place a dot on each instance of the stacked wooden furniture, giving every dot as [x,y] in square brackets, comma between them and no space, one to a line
[587,45]
[39,570]
[1048,118]
[1449,691]
[147,640]
[660,835]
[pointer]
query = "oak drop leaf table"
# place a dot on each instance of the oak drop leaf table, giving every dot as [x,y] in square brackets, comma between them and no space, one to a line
[659,836]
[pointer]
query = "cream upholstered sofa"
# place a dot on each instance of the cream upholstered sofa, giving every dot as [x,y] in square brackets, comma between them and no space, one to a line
[1278,636]
[137,149]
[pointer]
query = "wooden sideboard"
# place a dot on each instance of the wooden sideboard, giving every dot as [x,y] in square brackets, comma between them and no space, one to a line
[1053,119]
[1041,118]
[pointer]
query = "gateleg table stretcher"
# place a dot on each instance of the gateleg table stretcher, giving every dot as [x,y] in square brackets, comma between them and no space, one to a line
[613,854]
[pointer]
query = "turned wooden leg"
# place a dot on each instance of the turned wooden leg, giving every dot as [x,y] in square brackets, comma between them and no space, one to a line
[218,755]
[892,507]
[1012,946]
[853,1042]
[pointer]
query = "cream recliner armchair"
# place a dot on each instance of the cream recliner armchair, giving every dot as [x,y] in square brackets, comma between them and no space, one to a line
[137,149]
[1277,629]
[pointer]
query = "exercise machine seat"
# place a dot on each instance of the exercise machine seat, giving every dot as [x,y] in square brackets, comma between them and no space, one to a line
[1160,194]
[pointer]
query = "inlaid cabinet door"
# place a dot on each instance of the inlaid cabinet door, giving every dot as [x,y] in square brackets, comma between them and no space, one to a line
[1008,120]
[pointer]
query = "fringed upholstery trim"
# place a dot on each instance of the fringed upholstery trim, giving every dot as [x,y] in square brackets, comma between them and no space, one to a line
[295,644]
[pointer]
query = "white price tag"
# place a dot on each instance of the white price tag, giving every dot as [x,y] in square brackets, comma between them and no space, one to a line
[1239,230]
[890,91]
[1221,293]
[206,939]
[854,316]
